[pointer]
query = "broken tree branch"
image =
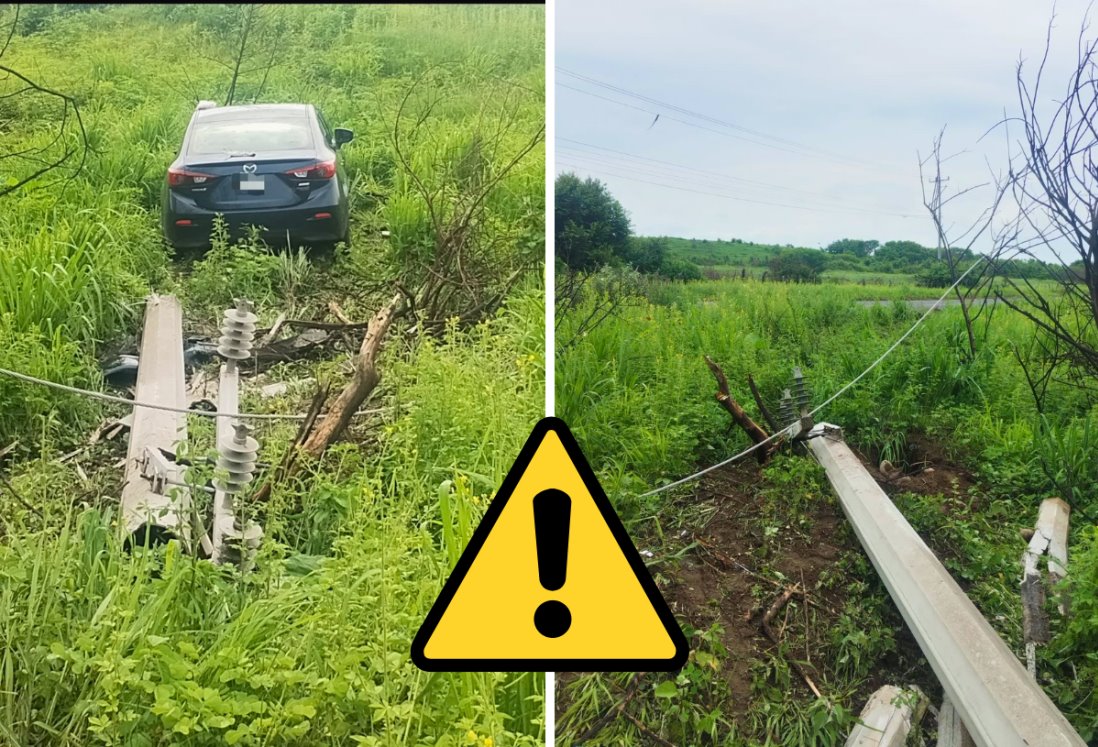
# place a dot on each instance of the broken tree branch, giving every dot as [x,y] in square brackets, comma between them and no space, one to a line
[289,459]
[742,419]
[768,619]
[767,416]
[365,379]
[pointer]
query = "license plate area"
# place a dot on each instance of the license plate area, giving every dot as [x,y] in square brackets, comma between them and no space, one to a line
[251,183]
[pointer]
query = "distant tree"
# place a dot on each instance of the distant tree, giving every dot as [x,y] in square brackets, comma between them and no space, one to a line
[594,244]
[903,253]
[647,254]
[857,247]
[677,268]
[797,265]
[592,228]
[940,275]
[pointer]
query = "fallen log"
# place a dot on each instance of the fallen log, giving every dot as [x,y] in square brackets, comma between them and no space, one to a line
[312,442]
[753,430]
[363,382]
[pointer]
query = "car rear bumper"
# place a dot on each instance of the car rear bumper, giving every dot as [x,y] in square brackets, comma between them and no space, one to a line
[187,225]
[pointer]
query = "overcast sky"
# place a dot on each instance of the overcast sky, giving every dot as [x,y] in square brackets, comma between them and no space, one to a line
[834,99]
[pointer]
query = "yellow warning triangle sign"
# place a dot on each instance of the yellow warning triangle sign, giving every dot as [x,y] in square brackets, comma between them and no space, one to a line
[550,580]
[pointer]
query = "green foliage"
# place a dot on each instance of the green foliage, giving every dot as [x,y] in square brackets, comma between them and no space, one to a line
[937,275]
[254,270]
[29,410]
[674,268]
[856,247]
[646,254]
[797,265]
[592,228]
[1073,652]
[638,395]
[108,647]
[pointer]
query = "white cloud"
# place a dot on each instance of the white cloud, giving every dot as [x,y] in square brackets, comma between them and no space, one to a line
[869,80]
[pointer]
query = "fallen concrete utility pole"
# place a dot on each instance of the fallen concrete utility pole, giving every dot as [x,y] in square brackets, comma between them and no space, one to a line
[155,503]
[998,701]
[888,717]
[1049,536]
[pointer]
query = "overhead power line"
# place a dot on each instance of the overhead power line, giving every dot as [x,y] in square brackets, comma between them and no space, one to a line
[797,147]
[564,161]
[104,397]
[652,167]
[725,133]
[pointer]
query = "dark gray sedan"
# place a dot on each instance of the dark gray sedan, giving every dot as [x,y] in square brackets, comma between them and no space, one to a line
[275,166]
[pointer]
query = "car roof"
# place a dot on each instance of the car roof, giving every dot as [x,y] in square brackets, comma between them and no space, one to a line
[252,111]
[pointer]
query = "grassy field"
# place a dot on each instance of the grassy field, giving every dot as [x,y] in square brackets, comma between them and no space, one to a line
[101,646]
[717,252]
[638,395]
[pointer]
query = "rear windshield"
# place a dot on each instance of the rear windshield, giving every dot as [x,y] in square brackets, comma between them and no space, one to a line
[251,136]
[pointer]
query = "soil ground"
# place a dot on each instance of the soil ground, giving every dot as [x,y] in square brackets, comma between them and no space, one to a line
[725,570]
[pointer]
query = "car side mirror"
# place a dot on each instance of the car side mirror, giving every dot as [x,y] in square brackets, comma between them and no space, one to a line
[343,136]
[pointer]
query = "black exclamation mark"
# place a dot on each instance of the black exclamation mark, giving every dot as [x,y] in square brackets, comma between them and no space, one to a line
[552,518]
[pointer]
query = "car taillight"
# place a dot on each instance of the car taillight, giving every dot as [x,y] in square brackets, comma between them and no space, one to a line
[322,170]
[183,178]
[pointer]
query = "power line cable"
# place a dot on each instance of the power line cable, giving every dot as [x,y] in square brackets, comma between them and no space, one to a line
[810,149]
[788,429]
[690,112]
[104,397]
[564,162]
[664,115]
[601,161]
[767,185]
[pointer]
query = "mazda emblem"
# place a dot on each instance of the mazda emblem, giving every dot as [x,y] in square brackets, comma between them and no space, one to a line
[249,168]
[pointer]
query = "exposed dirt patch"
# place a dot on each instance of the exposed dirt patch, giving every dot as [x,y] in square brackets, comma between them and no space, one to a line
[926,469]
[720,581]
[732,553]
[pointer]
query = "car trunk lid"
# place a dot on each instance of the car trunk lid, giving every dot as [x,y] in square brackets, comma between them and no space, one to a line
[242,182]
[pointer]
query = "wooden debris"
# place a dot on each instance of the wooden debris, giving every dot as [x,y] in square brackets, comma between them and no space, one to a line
[365,378]
[767,416]
[951,730]
[741,418]
[337,312]
[314,441]
[888,717]
[289,460]
[292,348]
[272,334]
[767,626]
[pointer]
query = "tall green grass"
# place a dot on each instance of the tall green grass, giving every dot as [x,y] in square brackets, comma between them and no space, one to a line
[638,394]
[104,647]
